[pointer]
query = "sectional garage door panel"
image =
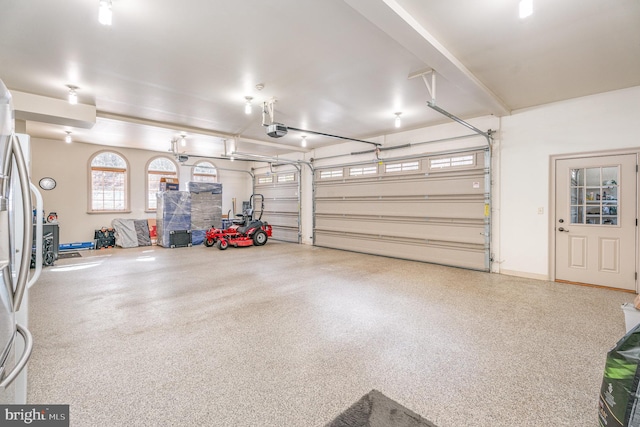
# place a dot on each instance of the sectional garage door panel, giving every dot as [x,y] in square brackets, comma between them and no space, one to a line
[415,207]
[412,250]
[281,203]
[285,234]
[405,228]
[410,186]
[433,208]
[284,220]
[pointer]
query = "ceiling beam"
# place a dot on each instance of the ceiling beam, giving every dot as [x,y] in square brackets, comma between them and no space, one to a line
[195,130]
[400,25]
[42,109]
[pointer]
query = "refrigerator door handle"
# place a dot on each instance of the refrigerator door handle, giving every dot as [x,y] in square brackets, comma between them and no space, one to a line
[27,241]
[39,209]
[6,167]
[28,346]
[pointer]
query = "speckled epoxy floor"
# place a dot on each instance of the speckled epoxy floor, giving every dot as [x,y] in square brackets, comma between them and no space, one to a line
[290,335]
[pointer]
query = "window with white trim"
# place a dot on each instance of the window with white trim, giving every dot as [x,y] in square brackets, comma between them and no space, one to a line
[204,172]
[363,170]
[158,168]
[452,162]
[109,175]
[335,173]
[402,167]
[265,179]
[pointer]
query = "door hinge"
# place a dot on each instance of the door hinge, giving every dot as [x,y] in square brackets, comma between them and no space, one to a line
[636,275]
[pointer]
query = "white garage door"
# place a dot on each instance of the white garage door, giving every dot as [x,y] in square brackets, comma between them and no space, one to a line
[432,208]
[281,203]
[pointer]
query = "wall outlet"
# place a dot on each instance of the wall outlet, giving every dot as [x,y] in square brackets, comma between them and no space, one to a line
[540,211]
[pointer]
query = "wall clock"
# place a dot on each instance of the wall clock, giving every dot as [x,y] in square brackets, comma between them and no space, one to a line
[47,183]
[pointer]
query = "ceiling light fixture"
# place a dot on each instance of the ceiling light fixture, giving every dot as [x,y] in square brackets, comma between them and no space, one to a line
[105,14]
[183,139]
[303,143]
[67,138]
[73,94]
[247,105]
[398,122]
[526,8]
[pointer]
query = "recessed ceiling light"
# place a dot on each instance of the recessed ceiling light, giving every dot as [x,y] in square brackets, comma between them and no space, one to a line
[73,94]
[67,138]
[526,8]
[247,104]
[303,143]
[105,14]
[398,122]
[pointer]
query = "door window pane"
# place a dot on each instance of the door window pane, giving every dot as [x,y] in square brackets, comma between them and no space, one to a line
[593,176]
[594,200]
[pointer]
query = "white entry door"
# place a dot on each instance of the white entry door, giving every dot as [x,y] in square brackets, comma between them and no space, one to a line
[595,221]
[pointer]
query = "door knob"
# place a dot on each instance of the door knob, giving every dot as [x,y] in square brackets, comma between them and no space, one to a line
[563,229]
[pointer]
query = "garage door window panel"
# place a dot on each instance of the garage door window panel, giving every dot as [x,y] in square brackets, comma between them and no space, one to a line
[290,177]
[331,174]
[452,162]
[402,167]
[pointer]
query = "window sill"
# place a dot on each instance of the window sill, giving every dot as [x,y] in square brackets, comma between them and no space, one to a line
[109,212]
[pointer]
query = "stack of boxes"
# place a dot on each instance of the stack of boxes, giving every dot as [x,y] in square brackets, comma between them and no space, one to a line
[173,216]
[206,208]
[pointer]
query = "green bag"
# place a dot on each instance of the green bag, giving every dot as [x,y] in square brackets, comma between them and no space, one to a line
[619,403]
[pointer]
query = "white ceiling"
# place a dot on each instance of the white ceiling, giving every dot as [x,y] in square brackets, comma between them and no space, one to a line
[334,66]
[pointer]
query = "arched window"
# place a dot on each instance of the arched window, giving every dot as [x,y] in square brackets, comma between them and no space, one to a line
[159,167]
[109,183]
[204,172]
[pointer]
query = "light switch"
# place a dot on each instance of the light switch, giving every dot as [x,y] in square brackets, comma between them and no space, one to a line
[540,211]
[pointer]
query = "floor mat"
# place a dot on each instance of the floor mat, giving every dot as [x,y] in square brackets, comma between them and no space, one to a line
[375,409]
[64,255]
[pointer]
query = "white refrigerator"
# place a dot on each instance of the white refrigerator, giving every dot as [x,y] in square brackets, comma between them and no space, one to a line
[16,249]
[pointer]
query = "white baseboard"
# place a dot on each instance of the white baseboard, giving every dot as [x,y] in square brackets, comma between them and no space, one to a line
[524,274]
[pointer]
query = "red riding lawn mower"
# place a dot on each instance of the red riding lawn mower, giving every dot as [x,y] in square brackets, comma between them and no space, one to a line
[244,231]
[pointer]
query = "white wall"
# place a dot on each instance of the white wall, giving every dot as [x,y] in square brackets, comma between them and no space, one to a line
[68,165]
[528,139]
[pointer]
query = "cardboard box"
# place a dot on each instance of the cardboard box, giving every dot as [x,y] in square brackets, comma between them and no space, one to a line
[169,184]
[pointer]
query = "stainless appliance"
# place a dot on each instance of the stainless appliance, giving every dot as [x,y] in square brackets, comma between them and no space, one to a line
[16,243]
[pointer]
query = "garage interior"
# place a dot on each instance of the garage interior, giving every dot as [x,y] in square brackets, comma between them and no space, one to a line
[413,157]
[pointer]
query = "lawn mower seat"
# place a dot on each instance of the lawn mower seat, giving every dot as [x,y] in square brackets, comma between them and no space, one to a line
[249,226]
[243,218]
